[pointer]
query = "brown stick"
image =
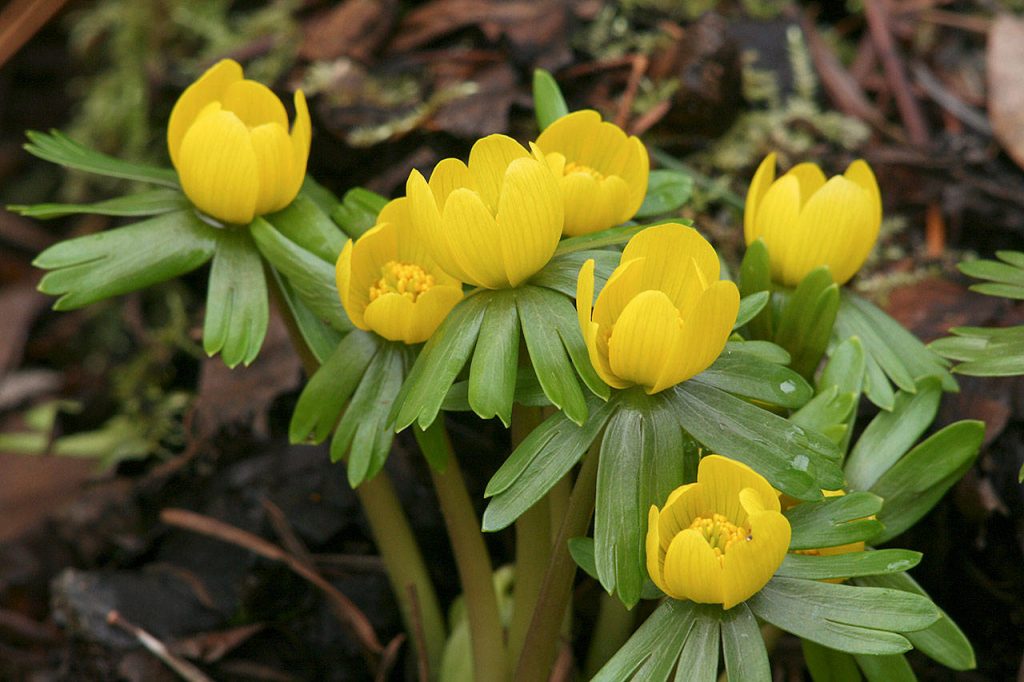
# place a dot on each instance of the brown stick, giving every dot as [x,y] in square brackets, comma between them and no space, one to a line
[20,20]
[639,67]
[913,120]
[185,670]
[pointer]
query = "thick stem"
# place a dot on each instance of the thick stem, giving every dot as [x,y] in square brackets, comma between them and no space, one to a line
[542,636]
[614,625]
[476,574]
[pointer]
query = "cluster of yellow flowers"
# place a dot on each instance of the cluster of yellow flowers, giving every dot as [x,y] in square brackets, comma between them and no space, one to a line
[494,222]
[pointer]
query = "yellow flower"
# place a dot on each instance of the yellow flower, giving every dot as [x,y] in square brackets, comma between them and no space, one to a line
[663,316]
[493,223]
[228,139]
[389,284]
[719,540]
[603,173]
[807,222]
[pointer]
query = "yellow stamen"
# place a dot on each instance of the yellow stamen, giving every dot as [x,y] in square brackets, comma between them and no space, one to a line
[406,279]
[573,167]
[719,532]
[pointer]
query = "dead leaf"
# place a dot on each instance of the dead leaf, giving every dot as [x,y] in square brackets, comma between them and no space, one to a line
[1006,84]
[355,28]
[19,306]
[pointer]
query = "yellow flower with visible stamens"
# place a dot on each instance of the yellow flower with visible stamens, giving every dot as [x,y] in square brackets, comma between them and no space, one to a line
[390,285]
[719,540]
[603,173]
[807,222]
[494,222]
[228,139]
[663,316]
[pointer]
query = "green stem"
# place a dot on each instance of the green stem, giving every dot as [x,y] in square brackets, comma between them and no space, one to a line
[614,625]
[542,636]
[471,558]
[406,569]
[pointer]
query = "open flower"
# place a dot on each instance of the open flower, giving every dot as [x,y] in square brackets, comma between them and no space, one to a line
[663,316]
[493,223]
[603,173]
[229,141]
[390,285]
[807,222]
[719,540]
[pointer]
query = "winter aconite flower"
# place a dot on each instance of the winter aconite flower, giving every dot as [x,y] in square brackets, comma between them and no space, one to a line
[807,222]
[390,285]
[719,540]
[493,223]
[663,316]
[229,141]
[603,173]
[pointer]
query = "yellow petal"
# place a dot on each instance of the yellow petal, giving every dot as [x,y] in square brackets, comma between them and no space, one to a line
[254,103]
[777,213]
[396,211]
[449,175]
[274,161]
[859,172]
[472,236]
[567,135]
[686,503]
[763,179]
[585,294]
[636,173]
[692,571]
[722,479]
[810,177]
[592,205]
[663,247]
[529,218]
[655,555]
[748,566]
[390,315]
[429,311]
[411,249]
[398,318]
[618,291]
[208,88]
[300,138]
[217,166]
[343,278]
[425,217]
[704,333]
[598,352]
[488,160]
[643,338]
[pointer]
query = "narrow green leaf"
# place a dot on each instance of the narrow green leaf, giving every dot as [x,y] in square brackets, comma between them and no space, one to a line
[492,373]
[750,377]
[582,552]
[960,347]
[1008,366]
[994,271]
[833,521]
[304,223]
[756,276]
[891,668]
[311,278]
[942,641]
[845,372]
[358,211]
[876,385]
[561,272]
[1013,291]
[764,350]
[58,148]
[750,306]
[237,311]
[914,484]
[548,103]
[662,635]
[890,434]
[828,412]
[319,337]
[1014,258]
[153,202]
[440,361]
[327,391]
[745,655]
[698,661]
[566,323]
[97,266]
[805,325]
[848,565]
[547,352]
[797,461]
[540,461]
[528,393]
[829,665]
[318,194]
[667,191]
[596,240]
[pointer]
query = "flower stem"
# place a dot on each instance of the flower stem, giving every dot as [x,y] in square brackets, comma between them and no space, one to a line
[476,574]
[542,636]
[614,625]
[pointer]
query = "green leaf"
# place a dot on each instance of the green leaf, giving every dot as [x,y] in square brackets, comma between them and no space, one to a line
[440,361]
[745,655]
[528,393]
[323,398]
[565,321]
[994,271]
[750,377]
[667,191]
[1009,366]
[845,372]
[755,277]
[582,552]
[797,461]
[859,620]
[492,373]
[547,352]
[829,665]
[152,202]
[876,385]
[595,240]
[890,434]
[891,668]
[750,306]
[304,223]
[805,325]
[311,278]
[848,565]
[364,430]
[318,194]
[764,350]
[56,147]
[561,272]
[828,412]
[942,641]
[833,521]
[660,637]
[540,461]
[914,484]
[97,266]
[358,211]
[320,338]
[548,103]
[698,661]
[1013,291]
[237,311]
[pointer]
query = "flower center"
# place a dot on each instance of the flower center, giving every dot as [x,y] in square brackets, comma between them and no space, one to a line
[573,167]
[719,532]
[405,279]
